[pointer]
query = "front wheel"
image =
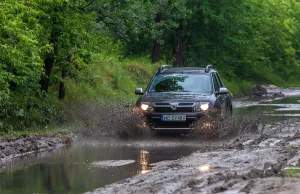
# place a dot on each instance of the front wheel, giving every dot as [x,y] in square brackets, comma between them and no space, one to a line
[206,126]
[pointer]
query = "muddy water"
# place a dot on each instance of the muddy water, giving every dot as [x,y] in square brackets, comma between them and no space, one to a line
[76,169]
[82,168]
[273,111]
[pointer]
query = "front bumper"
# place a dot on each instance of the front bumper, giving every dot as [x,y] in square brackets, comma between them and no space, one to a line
[156,123]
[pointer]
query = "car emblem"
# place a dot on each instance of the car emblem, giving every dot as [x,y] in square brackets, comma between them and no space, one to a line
[174,106]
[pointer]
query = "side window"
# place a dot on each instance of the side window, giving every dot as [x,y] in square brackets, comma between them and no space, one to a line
[216,83]
[219,79]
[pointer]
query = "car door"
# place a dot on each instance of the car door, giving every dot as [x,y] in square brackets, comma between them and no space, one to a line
[220,98]
[225,98]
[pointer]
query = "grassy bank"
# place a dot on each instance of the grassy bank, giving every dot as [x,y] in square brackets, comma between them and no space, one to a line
[114,78]
[111,78]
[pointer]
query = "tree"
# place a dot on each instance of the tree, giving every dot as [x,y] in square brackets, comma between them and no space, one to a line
[40,41]
[68,23]
[20,55]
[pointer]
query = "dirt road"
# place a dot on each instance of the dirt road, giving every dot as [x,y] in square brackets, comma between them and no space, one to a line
[246,164]
[254,159]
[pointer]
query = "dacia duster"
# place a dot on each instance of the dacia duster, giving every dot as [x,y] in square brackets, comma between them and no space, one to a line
[176,98]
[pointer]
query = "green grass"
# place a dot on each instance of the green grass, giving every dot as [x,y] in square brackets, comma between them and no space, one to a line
[17,133]
[114,78]
[292,171]
[238,87]
[48,129]
[111,78]
[243,87]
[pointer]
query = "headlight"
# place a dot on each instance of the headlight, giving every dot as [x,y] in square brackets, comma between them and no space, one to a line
[201,106]
[147,106]
[204,106]
[144,106]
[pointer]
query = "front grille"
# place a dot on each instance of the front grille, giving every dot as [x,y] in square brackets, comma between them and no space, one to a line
[186,104]
[162,104]
[166,107]
[174,126]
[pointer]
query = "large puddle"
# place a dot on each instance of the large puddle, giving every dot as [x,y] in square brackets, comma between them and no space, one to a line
[273,111]
[82,168]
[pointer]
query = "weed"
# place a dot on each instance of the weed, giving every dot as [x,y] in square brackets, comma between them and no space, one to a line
[291,172]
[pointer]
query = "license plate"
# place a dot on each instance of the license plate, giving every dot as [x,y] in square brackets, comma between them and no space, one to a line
[173,117]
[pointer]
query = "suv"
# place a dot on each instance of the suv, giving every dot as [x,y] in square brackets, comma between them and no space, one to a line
[176,98]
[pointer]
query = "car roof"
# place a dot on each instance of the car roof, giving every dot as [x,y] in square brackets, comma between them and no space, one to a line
[195,70]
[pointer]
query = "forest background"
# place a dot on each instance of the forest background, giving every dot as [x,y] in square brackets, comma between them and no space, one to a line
[54,53]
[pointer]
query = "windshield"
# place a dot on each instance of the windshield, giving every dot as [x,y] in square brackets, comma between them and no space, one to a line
[196,83]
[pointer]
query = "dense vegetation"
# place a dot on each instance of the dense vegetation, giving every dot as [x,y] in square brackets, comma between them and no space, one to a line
[53,52]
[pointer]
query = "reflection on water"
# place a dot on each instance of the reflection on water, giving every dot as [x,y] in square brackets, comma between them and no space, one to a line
[253,109]
[274,111]
[69,170]
[144,161]
[288,100]
[204,168]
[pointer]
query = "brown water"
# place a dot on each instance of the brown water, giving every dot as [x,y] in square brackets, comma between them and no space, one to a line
[273,111]
[69,170]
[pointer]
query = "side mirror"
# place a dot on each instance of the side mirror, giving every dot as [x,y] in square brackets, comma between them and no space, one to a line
[139,91]
[223,91]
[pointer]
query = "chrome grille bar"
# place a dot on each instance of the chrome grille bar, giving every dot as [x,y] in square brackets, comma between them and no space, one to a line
[180,107]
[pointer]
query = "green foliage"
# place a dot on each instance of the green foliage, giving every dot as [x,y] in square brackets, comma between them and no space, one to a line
[291,172]
[238,87]
[20,61]
[241,38]
[101,49]
[111,79]
[20,58]
[70,26]
[30,31]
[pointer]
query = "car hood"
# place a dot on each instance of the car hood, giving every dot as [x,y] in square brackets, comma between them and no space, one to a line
[175,97]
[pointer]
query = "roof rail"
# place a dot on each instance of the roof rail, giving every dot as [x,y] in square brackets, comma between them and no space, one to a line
[207,68]
[163,67]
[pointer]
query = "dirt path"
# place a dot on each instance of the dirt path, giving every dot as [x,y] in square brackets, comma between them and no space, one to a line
[18,147]
[241,165]
[244,163]
[287,92]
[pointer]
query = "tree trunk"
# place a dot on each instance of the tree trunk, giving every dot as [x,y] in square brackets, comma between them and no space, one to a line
[62,85]
[155,51]
[65,177]
[50,58]
[178,51]
[155,42]
[48,65]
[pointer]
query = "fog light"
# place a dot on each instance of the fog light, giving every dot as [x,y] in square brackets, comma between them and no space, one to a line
[151,109]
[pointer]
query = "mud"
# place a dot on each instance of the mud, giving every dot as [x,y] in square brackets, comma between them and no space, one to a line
[18,147]
[112,120]
[286,92]
[245,164]
[240,155]
[120,124]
